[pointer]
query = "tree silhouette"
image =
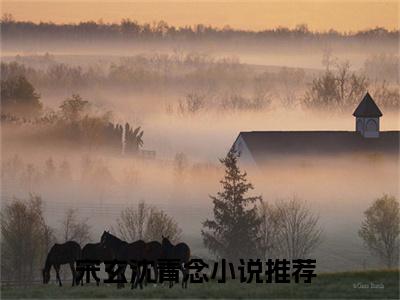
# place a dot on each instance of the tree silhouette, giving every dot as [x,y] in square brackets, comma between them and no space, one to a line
[233,232]
[18,97]
[74,229]
[130,31]
[73,108]
[338,89]
[133,139]
[299,233]
[380,229]
[147,223]
[25,238]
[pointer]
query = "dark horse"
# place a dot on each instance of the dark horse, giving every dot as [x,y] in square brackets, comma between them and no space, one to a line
[95,252]
[125,253]
[152,253]
[179,252]
[60,254]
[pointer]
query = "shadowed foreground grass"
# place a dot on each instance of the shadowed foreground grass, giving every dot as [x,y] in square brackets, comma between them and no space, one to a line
[356,285]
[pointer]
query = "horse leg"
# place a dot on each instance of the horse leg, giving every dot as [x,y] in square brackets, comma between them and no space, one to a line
[187,277]
[81,278]
[155,272]
[119,284]
[185,273]
[133,277]
[71,265]
[78,277]
[57,268]
[138,276]
[95,278]
[183,277]
[94,275]
[120,276]
[145,270]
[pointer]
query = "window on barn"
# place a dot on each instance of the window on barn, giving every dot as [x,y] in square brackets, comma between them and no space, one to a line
[371,125]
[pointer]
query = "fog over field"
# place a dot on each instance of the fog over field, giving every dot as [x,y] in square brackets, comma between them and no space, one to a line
[192,99]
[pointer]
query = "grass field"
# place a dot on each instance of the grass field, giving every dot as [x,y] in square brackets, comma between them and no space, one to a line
[355,285]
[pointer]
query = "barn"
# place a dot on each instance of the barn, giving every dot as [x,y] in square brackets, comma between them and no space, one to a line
[256,148]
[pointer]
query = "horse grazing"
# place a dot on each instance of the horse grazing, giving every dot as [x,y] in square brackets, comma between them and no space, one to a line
[179,252]
[125,253]
[95,252]
[61,254]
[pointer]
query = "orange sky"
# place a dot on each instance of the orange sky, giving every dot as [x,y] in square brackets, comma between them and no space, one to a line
[255,15]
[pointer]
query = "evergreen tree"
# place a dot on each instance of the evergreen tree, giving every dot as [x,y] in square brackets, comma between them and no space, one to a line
[233,232]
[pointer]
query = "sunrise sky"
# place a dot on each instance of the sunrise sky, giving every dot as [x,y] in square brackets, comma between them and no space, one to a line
[253,15]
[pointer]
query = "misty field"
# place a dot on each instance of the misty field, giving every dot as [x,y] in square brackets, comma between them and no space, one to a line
[120,127]
[355,285]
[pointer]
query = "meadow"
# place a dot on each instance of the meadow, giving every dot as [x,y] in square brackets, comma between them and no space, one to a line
[377,284]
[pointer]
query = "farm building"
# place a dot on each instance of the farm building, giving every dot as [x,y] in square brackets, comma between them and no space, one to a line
[256,148]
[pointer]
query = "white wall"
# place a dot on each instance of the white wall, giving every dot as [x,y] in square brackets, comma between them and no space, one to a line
[246,160]
[368,127]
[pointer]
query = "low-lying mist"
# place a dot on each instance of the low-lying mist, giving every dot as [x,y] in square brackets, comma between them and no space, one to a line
[191,107]
[100,186]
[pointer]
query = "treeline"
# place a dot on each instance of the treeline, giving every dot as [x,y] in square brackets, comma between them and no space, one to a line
[139,71]
[225,84]
[73,123]
[130,29]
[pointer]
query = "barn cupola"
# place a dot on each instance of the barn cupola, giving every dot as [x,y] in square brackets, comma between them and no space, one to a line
[367,116]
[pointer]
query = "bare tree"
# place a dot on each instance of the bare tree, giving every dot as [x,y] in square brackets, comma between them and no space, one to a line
[339,89]
[192,103]
[268,230]
[132,221]
[180,165]
[30,177]
[25,239]
[387,96]
[298,230]
[380,229]
[327,58]
[383,66]
[160,224]
[50,169]
[75,229]
[146,223]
